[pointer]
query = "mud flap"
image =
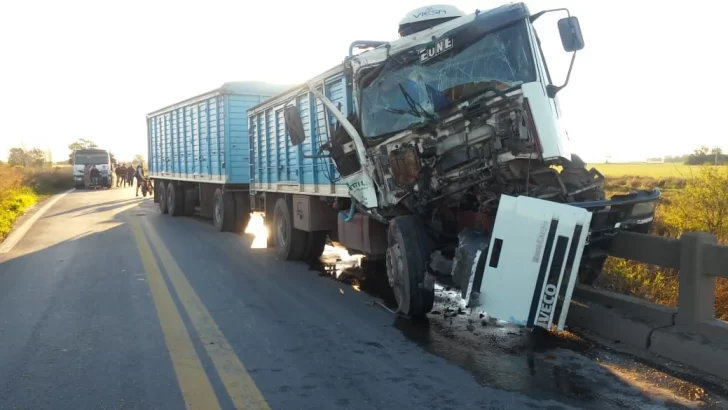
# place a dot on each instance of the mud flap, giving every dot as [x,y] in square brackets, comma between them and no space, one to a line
[533,261]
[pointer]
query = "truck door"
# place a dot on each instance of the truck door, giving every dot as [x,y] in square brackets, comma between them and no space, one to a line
[346,150]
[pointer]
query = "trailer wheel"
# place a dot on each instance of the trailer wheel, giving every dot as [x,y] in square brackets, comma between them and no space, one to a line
[190,201]
[242,211]
[290,242]
[223,211]
[315,244]
[162,197]
[175,199]
[407,266]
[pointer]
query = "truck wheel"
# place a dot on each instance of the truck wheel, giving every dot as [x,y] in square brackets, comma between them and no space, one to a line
[315,244]
[290,242]
[162,197]
[242,211]
[175,199]
[407,266]
[190,201]
[223,211]
[589,273]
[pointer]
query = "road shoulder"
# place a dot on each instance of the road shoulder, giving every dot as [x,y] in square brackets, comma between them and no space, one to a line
[26,221]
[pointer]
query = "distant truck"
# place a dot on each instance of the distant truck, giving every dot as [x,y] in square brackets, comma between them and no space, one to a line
[95,157]
[199,155]
[442,155]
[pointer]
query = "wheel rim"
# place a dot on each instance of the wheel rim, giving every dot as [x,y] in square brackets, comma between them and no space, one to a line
[170,199]
[218,210]
[394,273]
[281,229]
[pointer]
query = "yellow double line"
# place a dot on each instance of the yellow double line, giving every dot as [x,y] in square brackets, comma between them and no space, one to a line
[194,382]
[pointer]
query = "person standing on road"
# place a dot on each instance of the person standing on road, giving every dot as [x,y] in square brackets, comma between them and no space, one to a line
[130,174]
[95,174]
[139,177]
[120,170]
[87,176]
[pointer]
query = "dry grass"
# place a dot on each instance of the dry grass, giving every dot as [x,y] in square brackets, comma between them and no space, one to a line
[642,170]
[21,188]
[697,202]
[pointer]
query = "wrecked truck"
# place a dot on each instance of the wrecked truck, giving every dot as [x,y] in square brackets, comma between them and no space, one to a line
[442,156]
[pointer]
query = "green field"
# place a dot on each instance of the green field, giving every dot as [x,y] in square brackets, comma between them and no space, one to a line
[667,170]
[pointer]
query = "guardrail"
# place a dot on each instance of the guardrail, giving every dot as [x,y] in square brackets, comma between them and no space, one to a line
[689,334]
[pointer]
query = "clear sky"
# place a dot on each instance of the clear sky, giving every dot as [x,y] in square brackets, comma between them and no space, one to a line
[650,81]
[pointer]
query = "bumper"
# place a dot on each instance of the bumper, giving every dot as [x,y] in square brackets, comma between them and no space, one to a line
[632,212]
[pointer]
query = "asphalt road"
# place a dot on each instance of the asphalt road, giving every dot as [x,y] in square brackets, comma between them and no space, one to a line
[106,304]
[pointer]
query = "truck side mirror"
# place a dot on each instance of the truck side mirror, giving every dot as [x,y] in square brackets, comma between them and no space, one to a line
[294,125]
[570,31]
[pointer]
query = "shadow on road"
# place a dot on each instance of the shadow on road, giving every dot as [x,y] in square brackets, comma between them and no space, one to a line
[113,204]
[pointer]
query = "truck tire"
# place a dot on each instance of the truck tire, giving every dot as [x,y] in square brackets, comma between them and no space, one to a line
[162,197]
[223,211]
[175,199]
[407,255]
[589,273]
[242,211]
[190,201]
[315,244]
[290,242]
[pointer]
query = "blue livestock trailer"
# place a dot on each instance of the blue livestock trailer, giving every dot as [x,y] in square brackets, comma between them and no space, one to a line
[199,153]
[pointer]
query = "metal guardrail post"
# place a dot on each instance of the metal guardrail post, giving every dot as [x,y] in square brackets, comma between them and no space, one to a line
[696,297]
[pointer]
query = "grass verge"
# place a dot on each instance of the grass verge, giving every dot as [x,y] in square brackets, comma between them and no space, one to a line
[698,202]
[21,188]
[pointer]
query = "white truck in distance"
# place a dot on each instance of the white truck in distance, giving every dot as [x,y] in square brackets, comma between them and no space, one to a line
[447,144]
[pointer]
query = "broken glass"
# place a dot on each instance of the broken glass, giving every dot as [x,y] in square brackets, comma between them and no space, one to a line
[443,73]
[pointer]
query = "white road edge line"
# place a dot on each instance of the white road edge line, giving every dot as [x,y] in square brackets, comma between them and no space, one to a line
[16,235]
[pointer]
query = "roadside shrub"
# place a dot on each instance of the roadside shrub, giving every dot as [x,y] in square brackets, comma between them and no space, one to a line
[696,203]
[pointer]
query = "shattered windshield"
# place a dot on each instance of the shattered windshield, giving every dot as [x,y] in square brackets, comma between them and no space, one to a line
[416,85]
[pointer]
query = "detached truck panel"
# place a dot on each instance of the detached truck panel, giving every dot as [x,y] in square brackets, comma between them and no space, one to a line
[199,153]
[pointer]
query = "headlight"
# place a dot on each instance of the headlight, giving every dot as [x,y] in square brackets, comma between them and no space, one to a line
[643,208]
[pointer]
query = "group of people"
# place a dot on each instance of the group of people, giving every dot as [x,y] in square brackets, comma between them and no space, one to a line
[126,174]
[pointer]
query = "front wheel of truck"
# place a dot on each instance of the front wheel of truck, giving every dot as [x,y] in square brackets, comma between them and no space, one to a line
[407,255]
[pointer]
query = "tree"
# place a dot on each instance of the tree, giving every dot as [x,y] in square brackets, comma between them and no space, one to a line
[16,156]
[138,159]
[705,155]
[33,157]
[81,143]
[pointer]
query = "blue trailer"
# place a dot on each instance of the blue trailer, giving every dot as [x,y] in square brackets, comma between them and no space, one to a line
[199,153]
[297,182]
